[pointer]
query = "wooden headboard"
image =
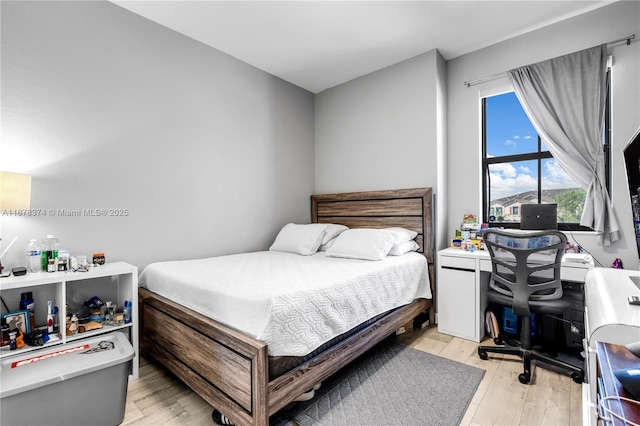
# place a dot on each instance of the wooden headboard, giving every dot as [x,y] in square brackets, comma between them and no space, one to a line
[408,208]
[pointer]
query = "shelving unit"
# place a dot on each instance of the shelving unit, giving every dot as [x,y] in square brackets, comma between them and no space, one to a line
[117,282]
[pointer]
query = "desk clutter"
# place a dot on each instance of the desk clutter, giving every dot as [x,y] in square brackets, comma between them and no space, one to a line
[469,237]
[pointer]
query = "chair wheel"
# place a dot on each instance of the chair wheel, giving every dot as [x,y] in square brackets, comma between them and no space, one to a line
[524,378]
[577,377]
[483,354]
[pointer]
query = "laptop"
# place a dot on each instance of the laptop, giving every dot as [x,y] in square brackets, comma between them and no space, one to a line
[538,217]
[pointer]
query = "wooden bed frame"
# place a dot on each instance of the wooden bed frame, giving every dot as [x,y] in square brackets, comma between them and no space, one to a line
[230,369]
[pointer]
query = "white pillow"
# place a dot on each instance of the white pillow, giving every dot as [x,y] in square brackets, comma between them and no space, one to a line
[406,247]
[332,231]
[325,247]
[330,235]
[402,234]
[299,239]
[366,244]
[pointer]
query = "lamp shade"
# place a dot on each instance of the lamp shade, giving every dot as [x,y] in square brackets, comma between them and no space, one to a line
[15,191]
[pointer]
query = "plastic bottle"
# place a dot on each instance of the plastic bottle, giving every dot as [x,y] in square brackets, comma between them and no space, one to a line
[49,317]
[108,314]
[27,304]
[73,328]
[127,312]
[50,246]
[33,256]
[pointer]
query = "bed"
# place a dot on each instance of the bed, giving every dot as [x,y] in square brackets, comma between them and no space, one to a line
[233,370]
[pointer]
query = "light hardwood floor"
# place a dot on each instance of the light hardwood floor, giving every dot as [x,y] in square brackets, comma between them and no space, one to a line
[551,399]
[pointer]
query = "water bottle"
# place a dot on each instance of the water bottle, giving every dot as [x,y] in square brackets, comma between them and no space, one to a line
[50,253]
[33,256]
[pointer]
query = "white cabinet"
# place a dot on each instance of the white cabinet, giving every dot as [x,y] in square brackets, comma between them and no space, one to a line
[116,282]
[461,304]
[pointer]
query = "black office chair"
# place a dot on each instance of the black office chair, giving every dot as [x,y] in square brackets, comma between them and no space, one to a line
[526,277]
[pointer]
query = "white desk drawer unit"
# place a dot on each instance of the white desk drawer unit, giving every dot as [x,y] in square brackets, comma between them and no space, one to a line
[463,279]
[459,263]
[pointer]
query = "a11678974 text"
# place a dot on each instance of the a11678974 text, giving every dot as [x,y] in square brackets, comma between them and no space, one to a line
[99,212]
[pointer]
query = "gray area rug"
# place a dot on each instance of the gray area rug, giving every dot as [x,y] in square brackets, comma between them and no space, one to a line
[392,385]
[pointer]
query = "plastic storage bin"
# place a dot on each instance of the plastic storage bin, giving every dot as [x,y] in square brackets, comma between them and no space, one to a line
[72,384]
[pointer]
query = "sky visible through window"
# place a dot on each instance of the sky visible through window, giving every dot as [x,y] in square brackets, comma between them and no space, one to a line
[509,132]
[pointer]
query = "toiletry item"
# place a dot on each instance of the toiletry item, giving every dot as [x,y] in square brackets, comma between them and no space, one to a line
[127,311]
[27,304]
[54,312]
[12,339]
[49,317]
[73,326]
[108,313]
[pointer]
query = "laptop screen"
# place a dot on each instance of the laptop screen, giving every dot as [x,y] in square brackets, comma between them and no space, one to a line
[539,216]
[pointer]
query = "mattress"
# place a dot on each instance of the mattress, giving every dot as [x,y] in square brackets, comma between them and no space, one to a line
[292,303]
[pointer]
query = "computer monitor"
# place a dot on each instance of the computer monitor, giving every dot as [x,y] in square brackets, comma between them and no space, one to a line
[538,216]
[632,161]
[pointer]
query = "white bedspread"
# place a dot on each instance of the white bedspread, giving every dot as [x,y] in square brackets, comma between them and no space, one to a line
[293,303]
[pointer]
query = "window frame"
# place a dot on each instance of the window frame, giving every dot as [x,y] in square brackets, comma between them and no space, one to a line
[538,156]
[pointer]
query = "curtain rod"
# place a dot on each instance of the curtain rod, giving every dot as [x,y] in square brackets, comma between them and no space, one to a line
[502,74]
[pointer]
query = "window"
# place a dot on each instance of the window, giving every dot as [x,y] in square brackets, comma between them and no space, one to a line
[517,167]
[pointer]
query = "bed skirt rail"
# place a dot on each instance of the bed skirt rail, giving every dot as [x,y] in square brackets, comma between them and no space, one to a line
[226,368]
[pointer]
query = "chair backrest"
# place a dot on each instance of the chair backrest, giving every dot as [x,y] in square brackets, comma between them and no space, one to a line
[526,265]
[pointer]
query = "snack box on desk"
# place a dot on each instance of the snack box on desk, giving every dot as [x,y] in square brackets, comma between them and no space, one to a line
[459,243]
[72,384]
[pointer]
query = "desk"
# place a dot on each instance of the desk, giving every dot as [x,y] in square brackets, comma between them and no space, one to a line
[463,280]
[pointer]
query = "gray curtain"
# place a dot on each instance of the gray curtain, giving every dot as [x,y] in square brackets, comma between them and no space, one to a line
[565,100]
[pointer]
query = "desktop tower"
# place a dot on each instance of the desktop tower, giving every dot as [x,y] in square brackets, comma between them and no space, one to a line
[575,316]
[559,333]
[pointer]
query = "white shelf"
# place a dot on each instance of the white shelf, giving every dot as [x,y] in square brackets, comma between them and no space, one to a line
[61,287]
[40,278]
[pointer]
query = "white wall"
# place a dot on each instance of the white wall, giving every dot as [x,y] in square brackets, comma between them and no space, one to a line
[106,109]
[602,25]
[385,130]
[210,156]
[380,131]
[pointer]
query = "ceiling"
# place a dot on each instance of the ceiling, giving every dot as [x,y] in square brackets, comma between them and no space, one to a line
[320,44]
